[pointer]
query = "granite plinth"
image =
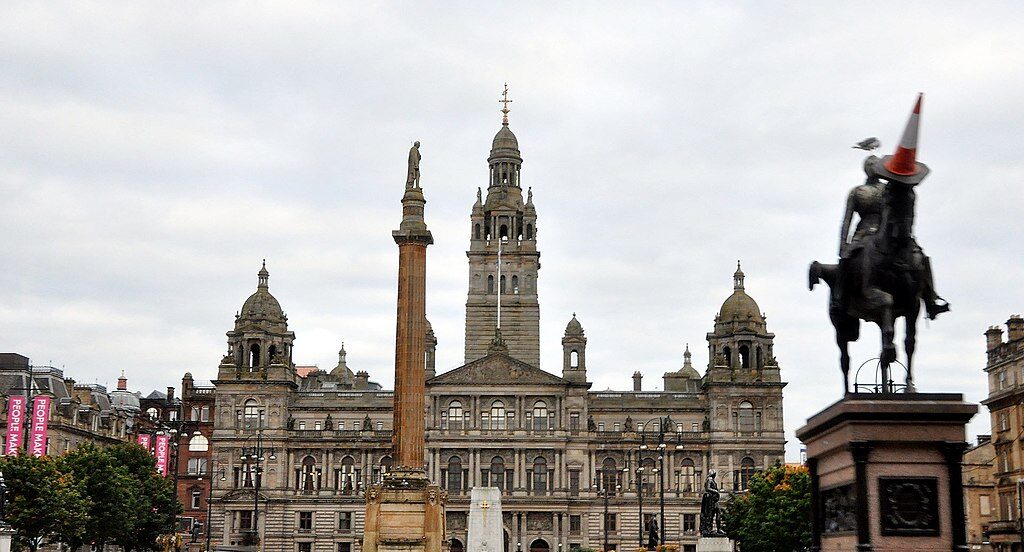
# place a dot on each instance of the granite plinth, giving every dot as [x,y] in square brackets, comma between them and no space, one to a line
[485,533]
[886,472]
[714,544]
[405,514]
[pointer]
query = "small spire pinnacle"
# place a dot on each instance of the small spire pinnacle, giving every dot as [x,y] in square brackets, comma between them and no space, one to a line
[687,357]
[504,101]
[264,276]
[737,278]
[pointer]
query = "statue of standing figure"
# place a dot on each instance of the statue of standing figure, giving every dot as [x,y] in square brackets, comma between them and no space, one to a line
[710,509]
[412,179]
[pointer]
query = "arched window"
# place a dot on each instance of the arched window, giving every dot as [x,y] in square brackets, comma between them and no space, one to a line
[745,418]
[746,472]
[309,480]
[385,463]
[476,231]
[687,476]
[540,476]
[744,356]
[252,414]
[199,443]
[727,352]
[760,360]
[454,475]
[502,283]
[455,415]
[529,231]
[497,415]
[497,473]
[254,356]
[503,232]
[194,414]
[153,413]
[456,545]
[272,352]
[515,284]
[348,474]
[490,283]
[540,415]
[574,359]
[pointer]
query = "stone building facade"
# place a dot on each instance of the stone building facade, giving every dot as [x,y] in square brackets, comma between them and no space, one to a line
[979,492]
[1005,369]
[559,452]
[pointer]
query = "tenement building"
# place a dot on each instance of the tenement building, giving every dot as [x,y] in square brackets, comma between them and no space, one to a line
[1005,369]
[291,455]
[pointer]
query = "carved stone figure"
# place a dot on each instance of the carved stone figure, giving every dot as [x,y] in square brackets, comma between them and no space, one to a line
[627,426]
[882,273]
[652,534]
[367,425]
[710,509]
[329,423]
[591,425]
[412,179]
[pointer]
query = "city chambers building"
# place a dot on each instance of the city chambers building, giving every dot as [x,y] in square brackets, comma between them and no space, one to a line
[293,451]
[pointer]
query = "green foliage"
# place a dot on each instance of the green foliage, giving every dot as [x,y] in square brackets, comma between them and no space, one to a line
[90,495]
[774,515]
[42,501]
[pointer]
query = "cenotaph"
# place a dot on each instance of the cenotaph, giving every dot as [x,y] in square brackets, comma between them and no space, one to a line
[485,530]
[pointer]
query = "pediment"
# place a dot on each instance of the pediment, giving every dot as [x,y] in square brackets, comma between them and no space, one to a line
[497,369]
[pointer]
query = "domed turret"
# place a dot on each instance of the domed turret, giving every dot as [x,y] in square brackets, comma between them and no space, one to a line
[261,306]
[739,308]
[342,372]
[574,327]
[574,352]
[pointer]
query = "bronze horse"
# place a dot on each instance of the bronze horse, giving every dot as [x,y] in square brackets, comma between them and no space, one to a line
[879,282]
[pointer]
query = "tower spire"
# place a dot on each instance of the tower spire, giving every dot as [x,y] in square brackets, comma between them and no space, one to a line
[504,109]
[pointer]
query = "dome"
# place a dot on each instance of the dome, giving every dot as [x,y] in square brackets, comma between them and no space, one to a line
[262,305]
[688,371]
[504,139]
[739,305]
[574,327]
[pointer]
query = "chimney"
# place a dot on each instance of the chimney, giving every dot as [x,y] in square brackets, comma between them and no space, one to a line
[993,337]
[362,380]
[170,394]
[637,377]
[1016,327]
[122,382]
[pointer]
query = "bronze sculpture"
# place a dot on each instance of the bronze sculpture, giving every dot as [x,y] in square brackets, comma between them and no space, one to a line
[882,273]
[710,510]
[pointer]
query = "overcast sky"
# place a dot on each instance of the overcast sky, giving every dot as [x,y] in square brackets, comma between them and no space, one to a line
[153,154]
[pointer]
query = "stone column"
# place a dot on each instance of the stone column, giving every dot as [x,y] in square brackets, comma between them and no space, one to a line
[954,454]
[812,467]
[861,450]
[412,238]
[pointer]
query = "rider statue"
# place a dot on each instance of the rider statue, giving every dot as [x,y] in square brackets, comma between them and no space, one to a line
[710,510]
[867,202]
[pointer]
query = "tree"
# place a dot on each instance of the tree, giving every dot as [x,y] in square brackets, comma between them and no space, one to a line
[113,494]
[158,506]
[775,514]
[42,501]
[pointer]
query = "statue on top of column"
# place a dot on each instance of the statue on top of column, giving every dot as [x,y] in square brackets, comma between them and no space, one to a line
[412,179]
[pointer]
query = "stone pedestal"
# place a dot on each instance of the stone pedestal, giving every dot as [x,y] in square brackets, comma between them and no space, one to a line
[485,529]
[714,544]
[886,472]
[405,514]
[6,534]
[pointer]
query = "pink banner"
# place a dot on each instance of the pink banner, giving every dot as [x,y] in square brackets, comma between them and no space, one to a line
[15,424]
[40,421]
[162,446]
[144,440]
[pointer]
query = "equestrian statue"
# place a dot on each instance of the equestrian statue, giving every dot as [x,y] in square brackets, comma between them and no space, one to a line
[882,273]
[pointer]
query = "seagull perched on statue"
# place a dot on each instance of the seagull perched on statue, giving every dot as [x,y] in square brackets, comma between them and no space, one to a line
[868,144]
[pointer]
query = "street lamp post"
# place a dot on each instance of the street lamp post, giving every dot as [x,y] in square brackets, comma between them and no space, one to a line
[603,488]
[640,503]
[660,470]
[255,457]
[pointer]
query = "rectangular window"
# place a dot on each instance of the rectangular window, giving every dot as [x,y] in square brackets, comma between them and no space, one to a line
[245,520]
[305,521]
[305,547]
[317,426]
[574,422]
[984,507]
[616,427]
[344,547]
[1004,421]
[1002,380]
[689,523]
[639,428]
[341,427]
[345,522]
[197,498]
[609,522]
[302,426]
[600,426]
[575,525]
[574,483]
[694,427]
[380,426]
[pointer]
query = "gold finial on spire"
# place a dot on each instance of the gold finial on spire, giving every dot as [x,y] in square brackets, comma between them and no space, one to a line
[504,109]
